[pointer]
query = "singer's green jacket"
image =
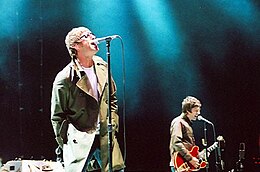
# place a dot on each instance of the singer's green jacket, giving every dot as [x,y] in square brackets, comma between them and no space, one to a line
[74,115]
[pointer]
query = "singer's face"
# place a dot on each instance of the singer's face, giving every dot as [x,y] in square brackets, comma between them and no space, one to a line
[86,44]
[193,115]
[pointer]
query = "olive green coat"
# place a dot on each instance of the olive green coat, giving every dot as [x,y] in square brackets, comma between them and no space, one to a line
[75,110]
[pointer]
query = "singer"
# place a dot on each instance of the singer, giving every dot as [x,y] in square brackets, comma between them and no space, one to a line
[182,138]
[79,107]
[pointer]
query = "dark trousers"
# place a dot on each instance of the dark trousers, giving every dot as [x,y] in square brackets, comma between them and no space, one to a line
[94,156]
[94,159]
[172,169]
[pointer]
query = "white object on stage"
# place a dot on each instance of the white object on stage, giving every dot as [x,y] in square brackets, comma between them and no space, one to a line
[32,166]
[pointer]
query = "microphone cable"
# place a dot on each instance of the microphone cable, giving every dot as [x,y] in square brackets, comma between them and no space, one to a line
[124,97]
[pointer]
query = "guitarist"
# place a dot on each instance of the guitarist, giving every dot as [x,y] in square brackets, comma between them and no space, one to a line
[182,138]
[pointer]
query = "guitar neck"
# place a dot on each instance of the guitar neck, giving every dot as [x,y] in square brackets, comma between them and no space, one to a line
[212,147]
[209,149]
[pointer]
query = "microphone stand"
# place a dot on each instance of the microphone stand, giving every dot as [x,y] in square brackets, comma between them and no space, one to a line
[109,125]
[217,151]
[205,146]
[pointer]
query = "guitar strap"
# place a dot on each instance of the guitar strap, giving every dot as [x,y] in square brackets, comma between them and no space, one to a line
[191,140]
[183,128]
[184,125]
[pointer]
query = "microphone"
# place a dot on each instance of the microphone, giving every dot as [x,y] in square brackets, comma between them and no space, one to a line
[241,151]
[203,119]
[107,38]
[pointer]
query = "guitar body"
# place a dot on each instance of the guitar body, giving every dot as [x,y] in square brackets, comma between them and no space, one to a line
[181,165]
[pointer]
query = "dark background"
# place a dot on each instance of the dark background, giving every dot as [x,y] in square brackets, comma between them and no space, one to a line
[208,49]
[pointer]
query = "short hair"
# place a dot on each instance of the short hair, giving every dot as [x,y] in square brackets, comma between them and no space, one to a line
[72,37]
[190,102]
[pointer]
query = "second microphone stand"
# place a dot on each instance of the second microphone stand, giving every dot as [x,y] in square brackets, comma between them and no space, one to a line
[205,144]
[217,150]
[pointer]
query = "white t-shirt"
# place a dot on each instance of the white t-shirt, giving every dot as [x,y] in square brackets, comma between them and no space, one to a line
[93,81]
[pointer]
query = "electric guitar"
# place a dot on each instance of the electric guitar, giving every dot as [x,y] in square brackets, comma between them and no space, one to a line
[181,164]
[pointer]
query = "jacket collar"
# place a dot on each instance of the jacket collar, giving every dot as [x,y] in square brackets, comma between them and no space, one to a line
[185,118]
[100,67]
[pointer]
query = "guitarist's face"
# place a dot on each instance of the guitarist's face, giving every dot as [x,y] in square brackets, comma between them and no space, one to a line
[194,113]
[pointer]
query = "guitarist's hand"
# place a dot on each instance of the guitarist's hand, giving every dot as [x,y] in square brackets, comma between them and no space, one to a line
[194,162]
